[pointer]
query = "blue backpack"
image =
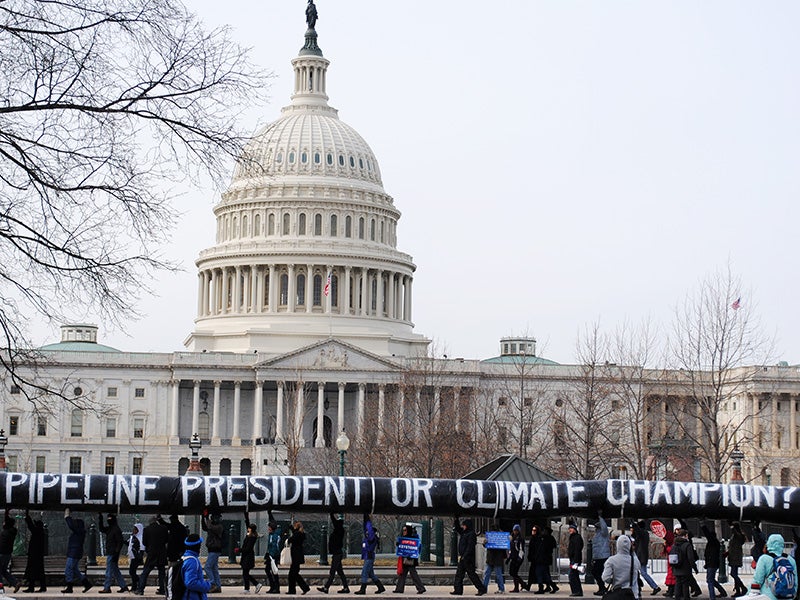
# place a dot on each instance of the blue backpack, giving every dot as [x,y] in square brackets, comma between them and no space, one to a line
[783,579]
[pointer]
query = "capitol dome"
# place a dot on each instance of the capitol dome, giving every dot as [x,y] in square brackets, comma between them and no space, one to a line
[306,244]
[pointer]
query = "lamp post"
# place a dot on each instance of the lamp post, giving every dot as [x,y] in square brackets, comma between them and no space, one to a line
[194,463]
[3,444]
[768,475]
[342,445]
[737,456]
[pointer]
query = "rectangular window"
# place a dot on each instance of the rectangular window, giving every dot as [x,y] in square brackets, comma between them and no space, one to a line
[41,464]
[137,465]
[41,425]
[111,427]
[109,465]
[74,464]
[138,393]
[138,427]
[527,402]
[111,392]
[502,401]
[15,389]
[76,426]
[12,463]
[13,425]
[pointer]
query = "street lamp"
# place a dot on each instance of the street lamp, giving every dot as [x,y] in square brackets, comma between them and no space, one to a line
[194,446]
[737,456]
[342,445]
[768,475]
[3,444]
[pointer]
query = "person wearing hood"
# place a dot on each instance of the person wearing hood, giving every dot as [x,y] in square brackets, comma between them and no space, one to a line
[114,543]
[272,555]
[135,554]
[622,569]
[575,556]
[736,558]
[154,537]
[669,579]
[369,545]
[694,587]
[466,558]
[197,587]
[177,533]
[601,551]
[34,570]
[765,564]
[72,572]
[711,557]
[684,561]
[515,558]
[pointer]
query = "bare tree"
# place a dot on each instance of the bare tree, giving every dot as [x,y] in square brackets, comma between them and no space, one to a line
[105,102]
[717,348]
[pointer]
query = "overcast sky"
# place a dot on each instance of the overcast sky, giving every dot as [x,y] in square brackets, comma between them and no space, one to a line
[556,163]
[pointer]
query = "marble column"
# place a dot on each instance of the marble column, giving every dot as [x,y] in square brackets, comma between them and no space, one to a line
[237,411]
[175,412]
[456,407]
[200,293]
[309,287]
[390,300]
[364,286]
[379,293]
[258,409]
[320,441]
[381,407]
[340,410]
[195,406]
[344,305]
[279,414]
[362,388]
[215,415]
[793,423]
[773,405]
[225,287]
[299,410]
[292,296]
[273,290]
[212,292]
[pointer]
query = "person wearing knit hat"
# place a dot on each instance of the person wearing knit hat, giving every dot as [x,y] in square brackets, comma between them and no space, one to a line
[192,572]
[575,555]
[516,557]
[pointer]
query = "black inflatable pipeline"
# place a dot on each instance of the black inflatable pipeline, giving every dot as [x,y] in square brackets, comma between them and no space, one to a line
[400,496]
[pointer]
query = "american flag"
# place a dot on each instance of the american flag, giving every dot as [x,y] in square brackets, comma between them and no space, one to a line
[736,304]
[327,289]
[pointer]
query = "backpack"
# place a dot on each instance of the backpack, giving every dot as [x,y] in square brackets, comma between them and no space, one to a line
[675,557]
[176,586]
[782,578]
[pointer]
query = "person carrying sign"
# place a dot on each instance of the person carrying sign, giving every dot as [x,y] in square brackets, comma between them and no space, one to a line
[496,553]
[408,551]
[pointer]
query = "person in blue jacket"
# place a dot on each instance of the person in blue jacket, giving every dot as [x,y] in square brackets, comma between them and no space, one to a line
[368,547]
[192,571]
[761,576]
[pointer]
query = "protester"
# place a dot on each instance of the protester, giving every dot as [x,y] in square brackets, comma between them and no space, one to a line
[197,587]
[575,556]
[516,557]
[669,579]
[549,546]
[408,566]
[641,536]
[247,559]
[154,538]
[7,536]
[369,545]
[466,558]
[765,566]
[272,555]
[135,555]
[694,587]
[495,559]
[537,559]
[712,561]
[622,569]
[684,561]
[114,543]
[176,538]
[72,572]
[336,550]
[736,558]
[601,551]
[213,528]
[296,542]
[34,570]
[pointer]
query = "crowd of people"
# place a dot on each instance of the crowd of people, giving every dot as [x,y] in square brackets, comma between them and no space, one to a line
[163,543]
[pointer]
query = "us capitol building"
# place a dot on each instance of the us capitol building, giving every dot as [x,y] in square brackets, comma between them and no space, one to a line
[305,328]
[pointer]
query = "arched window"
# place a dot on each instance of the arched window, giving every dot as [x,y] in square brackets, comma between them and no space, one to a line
[266,290]
[304,158]
[271,224]
[317,224]
[317,290]
[301,224]
[334,291]
[348,226]
[246,467]
[374,294]
[327,431]
[382,232]
[244,225]
[329,159]
[234,228]
[257,225]
[286,224]
[301,289]
[361,228]
[291,158]
[372,230]
[341,160]
[205,465]
[316,158]
[204,425]
[284,300]
[183,466]
[334,225]
[225,467]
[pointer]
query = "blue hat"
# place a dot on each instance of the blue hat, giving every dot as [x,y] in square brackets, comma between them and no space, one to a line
[193,540]
[516,527]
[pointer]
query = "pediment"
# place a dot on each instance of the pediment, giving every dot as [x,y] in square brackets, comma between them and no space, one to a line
[331,355]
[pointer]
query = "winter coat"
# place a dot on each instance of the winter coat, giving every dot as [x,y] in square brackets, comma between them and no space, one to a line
[248,552]
[466,542]
[617,569]
[176,535]
[641,538]
[76,538]
[684,548]
[669,541]
[575,548]
[113,533]
[7,535]
[296,547]
[274,544]
[36,540]
[214,530]
[370,542]
[517,550]
[196,585]
[601,542]
[549,545]
[155,538]
[759,541]
[735,552]
[711,554]
[766,562]
[336,538]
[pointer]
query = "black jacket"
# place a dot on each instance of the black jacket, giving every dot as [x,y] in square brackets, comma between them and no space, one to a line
[575,548]
[466,542]
[113,533]
[683,547]
[642,538]
[155,537]
[711,554]
[336,538]
[248,552]
[214,537]
[7,535]
[296,547]
[36,540]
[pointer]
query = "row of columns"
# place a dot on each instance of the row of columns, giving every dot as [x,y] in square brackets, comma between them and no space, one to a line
[300,399]
[255,289]
[773,401]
